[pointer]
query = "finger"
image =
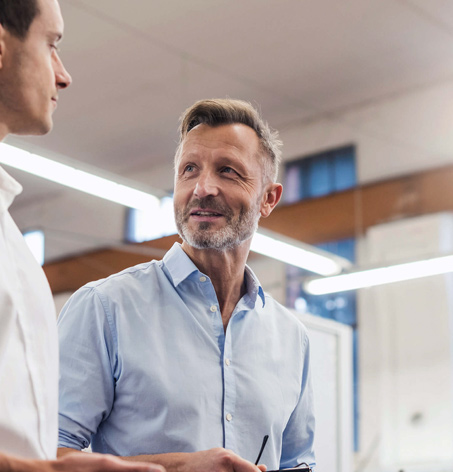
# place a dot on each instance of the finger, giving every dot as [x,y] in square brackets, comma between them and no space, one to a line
[242,465]
[155,468]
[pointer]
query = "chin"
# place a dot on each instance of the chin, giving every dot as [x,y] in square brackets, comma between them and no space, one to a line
[43,127]
[46,127]
[36,128]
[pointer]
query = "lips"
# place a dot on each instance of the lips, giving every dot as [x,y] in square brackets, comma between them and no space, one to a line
[208,209]
[207,213]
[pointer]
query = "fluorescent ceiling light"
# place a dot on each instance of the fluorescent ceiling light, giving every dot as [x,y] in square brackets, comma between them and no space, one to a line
[298,254]
[380,276]
[75,178]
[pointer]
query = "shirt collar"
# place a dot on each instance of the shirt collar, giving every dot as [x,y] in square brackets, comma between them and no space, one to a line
[178,264]
[254,288]
[9,189]
[180,267]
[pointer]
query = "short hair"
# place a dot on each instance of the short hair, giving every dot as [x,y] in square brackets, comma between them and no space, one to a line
[218,112]
[16,16]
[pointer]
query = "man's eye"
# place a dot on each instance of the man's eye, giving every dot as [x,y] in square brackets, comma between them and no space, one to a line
[189,168]
[228,170]
[54,47]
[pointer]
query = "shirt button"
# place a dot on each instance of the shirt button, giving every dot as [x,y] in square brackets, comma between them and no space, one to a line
[202,279]
[229,417]
[227,361]
[213,308]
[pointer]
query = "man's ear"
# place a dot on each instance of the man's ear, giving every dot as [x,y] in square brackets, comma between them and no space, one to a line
[271,197]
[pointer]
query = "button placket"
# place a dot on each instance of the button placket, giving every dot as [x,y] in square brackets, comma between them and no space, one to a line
[229,392]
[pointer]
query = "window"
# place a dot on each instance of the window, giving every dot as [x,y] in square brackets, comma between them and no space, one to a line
[35,241]
[320,174]
[155,223]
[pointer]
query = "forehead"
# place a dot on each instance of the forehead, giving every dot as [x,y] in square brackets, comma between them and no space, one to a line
[49,19]
[235,139]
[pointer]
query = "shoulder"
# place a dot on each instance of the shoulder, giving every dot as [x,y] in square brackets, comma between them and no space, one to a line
[110,293]
[286,329]
[132,277]
[286,319]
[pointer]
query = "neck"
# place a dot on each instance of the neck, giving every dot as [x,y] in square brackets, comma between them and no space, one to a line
[226,269]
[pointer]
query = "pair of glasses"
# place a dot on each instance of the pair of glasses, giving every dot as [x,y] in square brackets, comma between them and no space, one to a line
[302,467]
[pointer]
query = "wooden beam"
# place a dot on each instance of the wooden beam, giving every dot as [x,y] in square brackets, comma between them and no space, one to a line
[338,216]
[69,274]
[350,213]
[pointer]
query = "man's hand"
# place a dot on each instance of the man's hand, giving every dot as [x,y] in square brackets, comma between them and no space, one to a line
[212,460]
[219,460]
[76,463]
[100,463]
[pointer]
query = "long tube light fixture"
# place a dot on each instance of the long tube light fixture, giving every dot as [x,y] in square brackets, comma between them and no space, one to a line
[78,179]
[380,275]
[265,242]
[296,253]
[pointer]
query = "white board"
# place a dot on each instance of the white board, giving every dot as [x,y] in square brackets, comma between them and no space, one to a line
[331,366]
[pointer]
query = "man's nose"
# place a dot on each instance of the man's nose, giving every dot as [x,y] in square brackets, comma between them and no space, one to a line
[62,77]
[206,185]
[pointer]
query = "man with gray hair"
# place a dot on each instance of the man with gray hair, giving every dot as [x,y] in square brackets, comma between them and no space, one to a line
[186,361]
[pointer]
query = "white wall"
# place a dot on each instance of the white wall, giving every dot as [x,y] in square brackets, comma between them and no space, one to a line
[397,135]
[405,346]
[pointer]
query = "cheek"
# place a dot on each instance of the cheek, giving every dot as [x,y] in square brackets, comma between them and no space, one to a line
[181,194]
[43,73]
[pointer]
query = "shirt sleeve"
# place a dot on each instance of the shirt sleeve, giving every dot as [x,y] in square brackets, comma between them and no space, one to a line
[298,436]
[87,365]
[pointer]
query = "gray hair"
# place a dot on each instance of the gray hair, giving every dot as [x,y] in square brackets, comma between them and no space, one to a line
[217,112]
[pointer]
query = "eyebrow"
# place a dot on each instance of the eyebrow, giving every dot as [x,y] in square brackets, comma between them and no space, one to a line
[55,36]
[233,161]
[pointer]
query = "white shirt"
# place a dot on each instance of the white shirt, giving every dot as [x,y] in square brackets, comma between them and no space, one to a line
[28,343]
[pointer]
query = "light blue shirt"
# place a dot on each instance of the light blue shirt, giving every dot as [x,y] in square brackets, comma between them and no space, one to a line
[147,368]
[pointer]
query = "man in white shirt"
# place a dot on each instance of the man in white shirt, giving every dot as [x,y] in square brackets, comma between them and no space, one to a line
[31,75]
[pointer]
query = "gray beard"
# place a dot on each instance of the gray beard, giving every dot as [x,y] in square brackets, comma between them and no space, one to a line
[229,237]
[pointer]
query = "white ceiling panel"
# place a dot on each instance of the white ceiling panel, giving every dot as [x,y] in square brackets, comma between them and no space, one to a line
[137,64]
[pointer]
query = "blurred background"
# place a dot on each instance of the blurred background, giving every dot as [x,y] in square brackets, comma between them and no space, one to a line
[361,92]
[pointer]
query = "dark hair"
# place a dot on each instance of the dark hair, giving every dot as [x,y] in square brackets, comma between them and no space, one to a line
[217,112]
[16,16]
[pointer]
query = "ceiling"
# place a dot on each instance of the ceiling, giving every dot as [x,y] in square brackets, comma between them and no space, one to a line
[137,64]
